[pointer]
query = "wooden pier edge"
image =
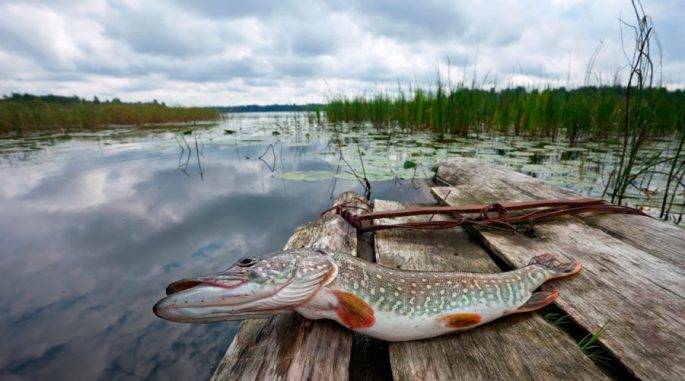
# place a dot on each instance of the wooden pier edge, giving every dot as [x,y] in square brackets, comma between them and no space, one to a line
[521,346]
[289,347]
[632,283]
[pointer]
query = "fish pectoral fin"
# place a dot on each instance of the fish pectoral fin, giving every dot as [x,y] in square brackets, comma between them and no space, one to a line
[538,300]
[353,311]
[460,320]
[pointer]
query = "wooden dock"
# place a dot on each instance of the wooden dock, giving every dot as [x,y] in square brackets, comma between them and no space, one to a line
[632,286]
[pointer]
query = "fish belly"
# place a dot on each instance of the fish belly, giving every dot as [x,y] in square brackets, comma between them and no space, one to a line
[391,326]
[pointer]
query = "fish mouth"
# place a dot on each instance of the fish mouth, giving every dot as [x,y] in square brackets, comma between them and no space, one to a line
[188,283]
[215,298]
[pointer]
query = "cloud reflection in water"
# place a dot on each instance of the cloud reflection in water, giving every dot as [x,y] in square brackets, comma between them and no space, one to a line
[93,230]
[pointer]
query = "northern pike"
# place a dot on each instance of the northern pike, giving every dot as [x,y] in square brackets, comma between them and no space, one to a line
[385,303]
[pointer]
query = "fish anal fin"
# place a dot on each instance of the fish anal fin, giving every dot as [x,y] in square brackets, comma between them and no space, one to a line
[538,300]
[460,320]
[353,311]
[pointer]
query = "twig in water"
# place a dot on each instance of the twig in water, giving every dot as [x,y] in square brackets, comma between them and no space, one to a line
[199,164]
[364,181]
[271,167]
[635,128]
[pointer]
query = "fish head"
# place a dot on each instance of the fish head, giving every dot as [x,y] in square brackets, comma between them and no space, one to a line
[253,287]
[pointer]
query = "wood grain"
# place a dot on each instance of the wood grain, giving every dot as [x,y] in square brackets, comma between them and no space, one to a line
[660,239]
[633,285]
[289,347]
[521,346]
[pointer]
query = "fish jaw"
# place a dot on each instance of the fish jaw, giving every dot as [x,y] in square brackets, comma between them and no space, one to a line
[211,302]
[254,287]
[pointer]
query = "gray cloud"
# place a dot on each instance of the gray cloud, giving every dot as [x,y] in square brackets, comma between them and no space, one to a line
[236,9]
[30,35]
[290,51]
[407,19]
[313,43]
[155,30]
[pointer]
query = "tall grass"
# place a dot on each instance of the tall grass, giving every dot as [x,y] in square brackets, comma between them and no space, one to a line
[586,112]
[633,115]
[636,111]
[20,113]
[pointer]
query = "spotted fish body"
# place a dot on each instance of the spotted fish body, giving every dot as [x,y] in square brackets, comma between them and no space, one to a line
[385,303]
[398,305]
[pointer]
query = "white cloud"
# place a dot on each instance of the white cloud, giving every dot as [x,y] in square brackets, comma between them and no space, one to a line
[237,52]
[37,32]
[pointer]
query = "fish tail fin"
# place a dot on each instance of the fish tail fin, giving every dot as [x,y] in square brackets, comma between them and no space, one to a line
[538,300]
[556,268]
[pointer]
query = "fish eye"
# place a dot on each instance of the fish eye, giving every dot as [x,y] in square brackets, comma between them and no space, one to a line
[246,262]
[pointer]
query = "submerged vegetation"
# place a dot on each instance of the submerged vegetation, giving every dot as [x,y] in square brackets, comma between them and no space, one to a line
[25,112]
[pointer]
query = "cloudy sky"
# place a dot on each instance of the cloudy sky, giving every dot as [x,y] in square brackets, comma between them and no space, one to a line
[220,52]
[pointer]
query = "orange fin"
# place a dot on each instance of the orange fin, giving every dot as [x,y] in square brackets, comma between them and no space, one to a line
[459,320]
[353,310]
[538,300]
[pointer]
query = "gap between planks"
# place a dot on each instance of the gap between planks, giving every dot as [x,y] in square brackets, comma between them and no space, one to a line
[522,346]
[660,239]
[289,347]
[633,285]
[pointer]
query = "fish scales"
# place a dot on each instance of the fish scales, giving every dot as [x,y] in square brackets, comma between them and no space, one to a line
[411,305]
[382,302]
[418,294]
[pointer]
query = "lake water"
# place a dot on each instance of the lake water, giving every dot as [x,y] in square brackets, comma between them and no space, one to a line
[93,226]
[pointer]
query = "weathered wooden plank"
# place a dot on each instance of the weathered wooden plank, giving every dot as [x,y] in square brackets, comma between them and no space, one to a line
[656,237]
[637,296]
[288,346]
[521,346]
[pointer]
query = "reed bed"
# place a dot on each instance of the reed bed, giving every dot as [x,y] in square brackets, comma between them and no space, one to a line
[22,113]
[586,112]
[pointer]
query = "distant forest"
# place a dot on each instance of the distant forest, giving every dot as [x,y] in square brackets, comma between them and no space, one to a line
[271,108]
[66,100]
[51,98]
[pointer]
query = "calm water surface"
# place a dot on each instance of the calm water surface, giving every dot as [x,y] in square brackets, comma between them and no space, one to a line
[93,226]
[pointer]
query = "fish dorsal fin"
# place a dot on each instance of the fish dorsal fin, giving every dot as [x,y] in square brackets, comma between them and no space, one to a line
[538,300]
[353,311]
[460,320]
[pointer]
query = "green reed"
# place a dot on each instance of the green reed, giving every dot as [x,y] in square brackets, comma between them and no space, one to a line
[21,113]
[582,113]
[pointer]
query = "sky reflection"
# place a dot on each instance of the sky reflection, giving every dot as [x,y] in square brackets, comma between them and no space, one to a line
[94,228]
